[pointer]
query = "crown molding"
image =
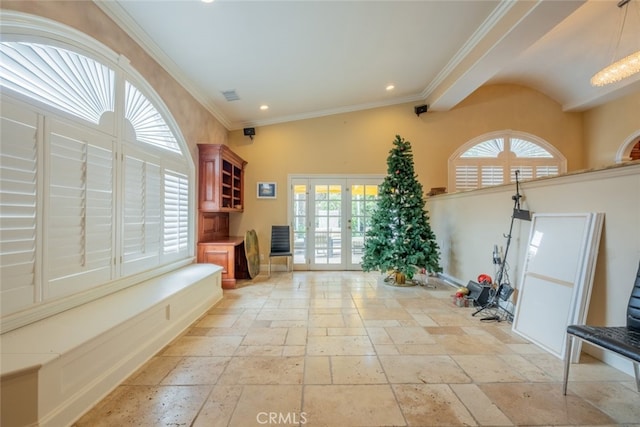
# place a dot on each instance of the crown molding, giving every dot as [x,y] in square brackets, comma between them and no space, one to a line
[329,112]
[114,11]
[478,36]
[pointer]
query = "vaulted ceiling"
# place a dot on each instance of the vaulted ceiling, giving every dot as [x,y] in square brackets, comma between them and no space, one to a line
[310,58]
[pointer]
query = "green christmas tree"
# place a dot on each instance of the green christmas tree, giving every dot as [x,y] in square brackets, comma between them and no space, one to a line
[400,239]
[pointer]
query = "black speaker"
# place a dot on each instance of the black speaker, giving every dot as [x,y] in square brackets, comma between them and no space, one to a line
[249,131]
[505,291]
[419,109]
[478,293]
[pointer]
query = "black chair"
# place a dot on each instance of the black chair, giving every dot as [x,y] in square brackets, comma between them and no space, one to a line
[623,340]
[280,244]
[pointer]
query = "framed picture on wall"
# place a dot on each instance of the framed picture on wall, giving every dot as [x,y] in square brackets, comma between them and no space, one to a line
[267,190]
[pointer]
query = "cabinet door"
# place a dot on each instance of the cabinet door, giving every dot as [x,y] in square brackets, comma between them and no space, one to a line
[209,184]
[219,255]
[222,255]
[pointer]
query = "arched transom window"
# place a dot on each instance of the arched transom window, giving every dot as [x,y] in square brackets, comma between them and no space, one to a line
[493,159]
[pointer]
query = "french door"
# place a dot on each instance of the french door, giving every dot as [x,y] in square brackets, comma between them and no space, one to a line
[330,216]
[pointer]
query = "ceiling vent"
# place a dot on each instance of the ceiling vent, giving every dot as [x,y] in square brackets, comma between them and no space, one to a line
[231,95]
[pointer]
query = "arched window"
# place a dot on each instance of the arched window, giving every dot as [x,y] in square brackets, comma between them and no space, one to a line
[630,148]
[97,180]
[493,159]
[634,154]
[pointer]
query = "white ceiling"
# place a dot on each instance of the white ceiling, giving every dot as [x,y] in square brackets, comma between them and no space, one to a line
[310,58]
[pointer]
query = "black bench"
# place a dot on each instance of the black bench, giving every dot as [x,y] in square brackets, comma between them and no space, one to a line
[623,340]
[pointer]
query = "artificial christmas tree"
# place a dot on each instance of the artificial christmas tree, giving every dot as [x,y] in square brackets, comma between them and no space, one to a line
[400,240]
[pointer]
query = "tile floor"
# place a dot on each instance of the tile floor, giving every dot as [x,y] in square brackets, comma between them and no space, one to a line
[344,349]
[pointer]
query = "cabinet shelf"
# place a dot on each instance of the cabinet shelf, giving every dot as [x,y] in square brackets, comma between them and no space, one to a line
[221,179]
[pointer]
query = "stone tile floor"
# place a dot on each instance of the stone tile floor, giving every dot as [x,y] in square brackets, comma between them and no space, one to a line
[344,349]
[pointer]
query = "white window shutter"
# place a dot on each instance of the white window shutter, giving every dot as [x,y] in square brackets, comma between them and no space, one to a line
[58,77]
[18,208]
[547,171]
[142,214]
[79,243]
[176,214]
[525,173]
[492,175]
[498,157]
[81,173]
[148,124]
[466,177]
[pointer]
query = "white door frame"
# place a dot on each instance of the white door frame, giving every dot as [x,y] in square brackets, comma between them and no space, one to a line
[345,181]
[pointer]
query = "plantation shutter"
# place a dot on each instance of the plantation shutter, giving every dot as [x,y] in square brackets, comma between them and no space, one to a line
[497,159]
[492,175]
[466,177]
[176,215]
[80,229]
[61,78]
[84,154]
[148,124]
[525,173]
[142,213]
[547,171]
[18,207]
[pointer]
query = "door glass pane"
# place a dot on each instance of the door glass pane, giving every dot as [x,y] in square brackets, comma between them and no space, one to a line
[363,202]
[299,223]
[327,224]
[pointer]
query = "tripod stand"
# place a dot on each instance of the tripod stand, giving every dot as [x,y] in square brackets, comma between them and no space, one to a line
[501,291]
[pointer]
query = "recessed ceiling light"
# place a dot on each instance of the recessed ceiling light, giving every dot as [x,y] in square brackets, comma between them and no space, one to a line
[207,1]
[264,107]
[390,88]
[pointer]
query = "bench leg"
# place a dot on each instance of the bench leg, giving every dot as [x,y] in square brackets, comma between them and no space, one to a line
[567,363]
[636,371]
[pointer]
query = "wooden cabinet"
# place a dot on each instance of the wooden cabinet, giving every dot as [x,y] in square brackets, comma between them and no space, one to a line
[220,192]
[229,254]
[221,179]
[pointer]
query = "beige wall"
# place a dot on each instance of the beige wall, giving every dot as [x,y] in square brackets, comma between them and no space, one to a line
[467,233]
[359,142]
[195,122]
[606,128]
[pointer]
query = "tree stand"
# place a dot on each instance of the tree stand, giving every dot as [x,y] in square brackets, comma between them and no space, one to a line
[398,278]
